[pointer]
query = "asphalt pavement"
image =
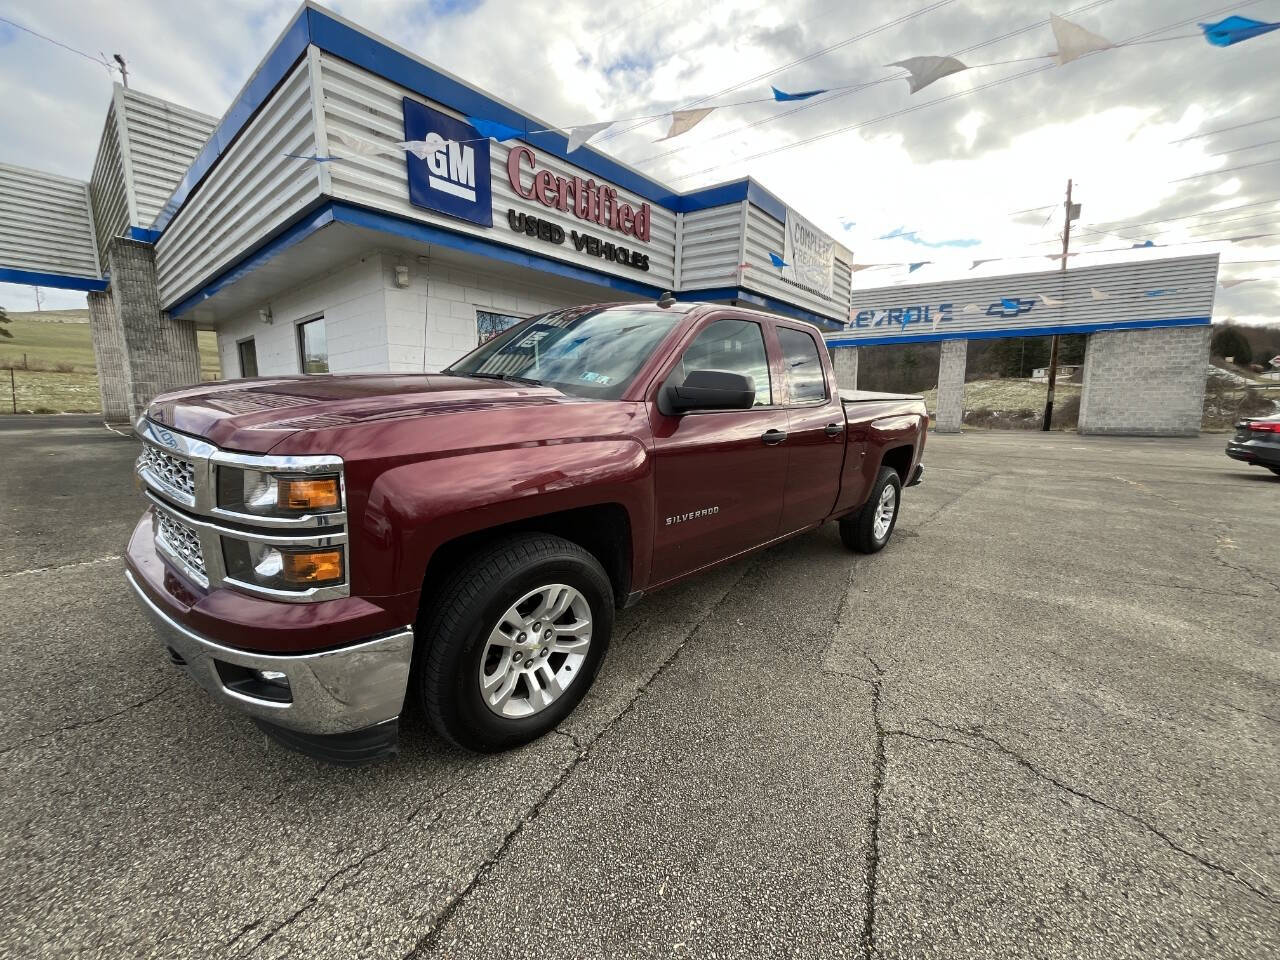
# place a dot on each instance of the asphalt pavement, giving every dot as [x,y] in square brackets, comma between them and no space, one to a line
[1044,722]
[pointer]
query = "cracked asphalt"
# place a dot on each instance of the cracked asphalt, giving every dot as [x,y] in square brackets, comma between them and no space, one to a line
[1042,723]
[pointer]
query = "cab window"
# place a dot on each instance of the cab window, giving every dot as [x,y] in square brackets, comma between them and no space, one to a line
[734,346]
[805,381]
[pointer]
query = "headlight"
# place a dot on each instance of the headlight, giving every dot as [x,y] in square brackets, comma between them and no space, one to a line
[283,568]
[273,494]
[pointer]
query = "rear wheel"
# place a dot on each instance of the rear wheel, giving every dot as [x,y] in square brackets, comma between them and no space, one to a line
[870,528]
[514,642]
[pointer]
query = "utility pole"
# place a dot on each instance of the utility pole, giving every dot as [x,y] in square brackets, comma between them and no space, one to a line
[39,299]
[124,68]
[1053,350]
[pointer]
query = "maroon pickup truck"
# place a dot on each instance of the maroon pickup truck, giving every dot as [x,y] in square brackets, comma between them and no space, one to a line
[318,546]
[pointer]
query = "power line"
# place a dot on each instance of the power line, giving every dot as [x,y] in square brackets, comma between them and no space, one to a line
[1129,225]
[1212,173]
[1238,126]
[100,61]
[796,62]
[1252,146]
[955,96]
[855,88]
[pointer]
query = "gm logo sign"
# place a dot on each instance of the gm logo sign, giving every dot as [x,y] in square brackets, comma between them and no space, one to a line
[455,179]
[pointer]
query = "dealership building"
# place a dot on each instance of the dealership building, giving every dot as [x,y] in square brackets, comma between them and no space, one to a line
[299,229]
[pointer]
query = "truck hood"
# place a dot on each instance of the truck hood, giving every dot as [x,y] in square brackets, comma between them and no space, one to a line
[254,415]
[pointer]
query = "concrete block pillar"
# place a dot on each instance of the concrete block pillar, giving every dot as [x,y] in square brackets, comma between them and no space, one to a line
[845,360]
[108,350]
[160,353]
[950,412]
[1145,382]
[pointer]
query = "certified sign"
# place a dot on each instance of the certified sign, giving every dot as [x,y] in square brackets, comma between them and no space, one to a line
[455,179]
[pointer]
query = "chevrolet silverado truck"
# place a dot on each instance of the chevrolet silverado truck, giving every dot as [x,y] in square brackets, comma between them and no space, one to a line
[318,549]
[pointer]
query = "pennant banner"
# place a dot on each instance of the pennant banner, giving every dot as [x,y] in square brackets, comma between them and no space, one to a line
[1050,301]
[777,261]
[912,268]
[1235,29]
[357,146]
[682,121]
[1075,41]
[1096,294]
[495,130]
[923,71]
[429,146]
[1228,284]
[579,136]
[780,96]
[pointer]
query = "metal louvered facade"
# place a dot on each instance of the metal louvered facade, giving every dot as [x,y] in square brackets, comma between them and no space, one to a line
[1153,293]
[255,189]
[160,141]
[711,247]
[108,191]
[45,224]
[765,234]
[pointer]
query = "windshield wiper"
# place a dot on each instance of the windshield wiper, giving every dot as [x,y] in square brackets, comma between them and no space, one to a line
[506,377]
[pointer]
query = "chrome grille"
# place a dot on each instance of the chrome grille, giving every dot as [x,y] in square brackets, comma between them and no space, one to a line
[181,541]
[174,471]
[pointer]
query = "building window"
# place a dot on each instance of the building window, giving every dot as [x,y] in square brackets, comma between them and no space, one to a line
[248,358]
[804,369]
[312,349]
[489,325]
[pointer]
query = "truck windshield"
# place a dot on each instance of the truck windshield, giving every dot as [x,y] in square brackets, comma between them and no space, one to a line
[593,353]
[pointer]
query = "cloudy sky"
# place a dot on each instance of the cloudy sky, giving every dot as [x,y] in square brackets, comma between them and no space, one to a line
[974,166]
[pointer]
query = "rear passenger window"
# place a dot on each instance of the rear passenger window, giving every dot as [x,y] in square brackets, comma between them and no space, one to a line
[803,366]
[734,346]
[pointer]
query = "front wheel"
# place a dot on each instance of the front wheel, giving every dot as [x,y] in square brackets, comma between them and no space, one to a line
[868,530]
[514,642]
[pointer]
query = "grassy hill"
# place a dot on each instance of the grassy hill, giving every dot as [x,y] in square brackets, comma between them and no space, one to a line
[51,356]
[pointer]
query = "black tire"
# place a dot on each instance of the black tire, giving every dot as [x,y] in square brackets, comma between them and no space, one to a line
[857,531]
[452,636]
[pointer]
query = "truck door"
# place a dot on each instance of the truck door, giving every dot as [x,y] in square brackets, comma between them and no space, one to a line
[719,473]
[815,432]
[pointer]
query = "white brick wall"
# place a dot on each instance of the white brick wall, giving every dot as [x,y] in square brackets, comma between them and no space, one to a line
[845,362]
[951,364]
[373,325]
[1145,382]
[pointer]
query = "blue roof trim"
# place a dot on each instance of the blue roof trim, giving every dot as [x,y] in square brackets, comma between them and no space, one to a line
[839,341]
[287,51]
[299,231]
[57,281]
[312,26]
[759,300]
[143,234]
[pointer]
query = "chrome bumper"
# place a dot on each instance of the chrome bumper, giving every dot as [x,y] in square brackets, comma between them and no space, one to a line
[330,692]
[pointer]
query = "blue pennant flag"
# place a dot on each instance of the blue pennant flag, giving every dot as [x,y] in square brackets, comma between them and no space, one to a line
[1235,29]
[1161,293]
[494,130]
[1145,243]
[777,261]
[916,266]
[779,95]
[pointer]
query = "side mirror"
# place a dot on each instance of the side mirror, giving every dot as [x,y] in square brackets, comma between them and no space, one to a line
[712,390]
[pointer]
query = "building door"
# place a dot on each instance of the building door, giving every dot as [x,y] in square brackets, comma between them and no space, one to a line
[720,473]
[815,432]
[248,351]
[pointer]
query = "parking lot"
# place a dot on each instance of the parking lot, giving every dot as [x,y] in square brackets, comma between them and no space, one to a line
[1043,722]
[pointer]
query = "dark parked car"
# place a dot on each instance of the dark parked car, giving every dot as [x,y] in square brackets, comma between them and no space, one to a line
[1257,441]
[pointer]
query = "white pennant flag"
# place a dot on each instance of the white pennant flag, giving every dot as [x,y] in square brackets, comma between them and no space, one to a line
[926,70]
[971,308]
[1096,294]
[1050,302]
[579,136]
[358,146]
[430,145]
[1075,41]
[1228,284]
[682,121]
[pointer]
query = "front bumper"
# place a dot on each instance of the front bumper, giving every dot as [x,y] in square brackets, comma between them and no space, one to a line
[330,693]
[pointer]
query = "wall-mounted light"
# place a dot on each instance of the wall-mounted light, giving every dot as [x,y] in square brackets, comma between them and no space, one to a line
[402,275]
[265,316]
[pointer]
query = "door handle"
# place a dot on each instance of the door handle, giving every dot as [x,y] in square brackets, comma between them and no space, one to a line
[834,429]
[774,437]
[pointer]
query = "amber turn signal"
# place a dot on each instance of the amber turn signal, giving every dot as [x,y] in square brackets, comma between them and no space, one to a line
[307,493]
[321,566]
